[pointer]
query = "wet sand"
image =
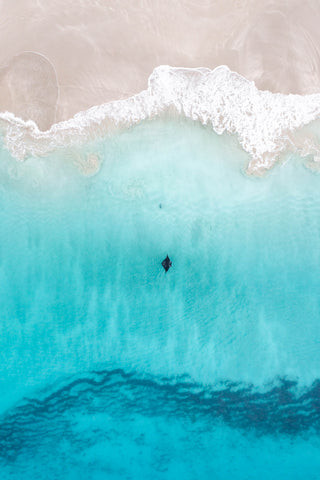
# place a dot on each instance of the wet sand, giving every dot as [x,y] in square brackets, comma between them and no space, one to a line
[63,56]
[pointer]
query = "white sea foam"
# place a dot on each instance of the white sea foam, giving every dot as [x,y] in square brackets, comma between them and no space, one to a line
[263,121]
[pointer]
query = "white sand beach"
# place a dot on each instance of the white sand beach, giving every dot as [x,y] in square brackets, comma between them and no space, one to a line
[62,56]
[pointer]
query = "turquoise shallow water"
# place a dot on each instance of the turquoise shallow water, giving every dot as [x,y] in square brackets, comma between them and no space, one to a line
[111,368]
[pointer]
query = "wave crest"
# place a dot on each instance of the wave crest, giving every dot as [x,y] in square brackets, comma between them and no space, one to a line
[263,121]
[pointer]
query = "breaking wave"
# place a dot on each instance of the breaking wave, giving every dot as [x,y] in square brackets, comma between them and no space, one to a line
[265,123]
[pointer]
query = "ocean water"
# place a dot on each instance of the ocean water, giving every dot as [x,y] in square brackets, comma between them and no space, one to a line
[112,368]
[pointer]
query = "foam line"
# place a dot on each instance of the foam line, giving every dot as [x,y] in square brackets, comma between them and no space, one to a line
[221,98]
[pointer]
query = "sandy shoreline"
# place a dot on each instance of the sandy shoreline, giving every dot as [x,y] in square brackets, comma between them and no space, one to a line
[61,57]
[266,124]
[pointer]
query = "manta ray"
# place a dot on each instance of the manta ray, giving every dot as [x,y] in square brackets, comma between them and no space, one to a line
[166,263]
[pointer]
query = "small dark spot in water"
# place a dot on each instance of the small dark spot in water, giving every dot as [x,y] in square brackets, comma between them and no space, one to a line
[166,263]
[160,205]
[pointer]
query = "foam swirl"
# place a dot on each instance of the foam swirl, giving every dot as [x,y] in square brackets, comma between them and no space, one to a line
[263,121]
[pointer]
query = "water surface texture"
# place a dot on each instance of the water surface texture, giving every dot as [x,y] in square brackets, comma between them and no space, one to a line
[112,368]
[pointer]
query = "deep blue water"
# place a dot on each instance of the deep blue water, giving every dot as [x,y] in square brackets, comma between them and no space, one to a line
[112,368]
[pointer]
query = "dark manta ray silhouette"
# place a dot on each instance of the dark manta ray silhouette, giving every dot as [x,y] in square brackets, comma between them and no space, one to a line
[166,263]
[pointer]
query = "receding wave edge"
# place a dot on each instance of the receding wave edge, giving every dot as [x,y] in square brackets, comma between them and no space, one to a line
[264,122]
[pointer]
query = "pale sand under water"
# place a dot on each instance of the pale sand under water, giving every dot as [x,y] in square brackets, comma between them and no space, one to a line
[62,56]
